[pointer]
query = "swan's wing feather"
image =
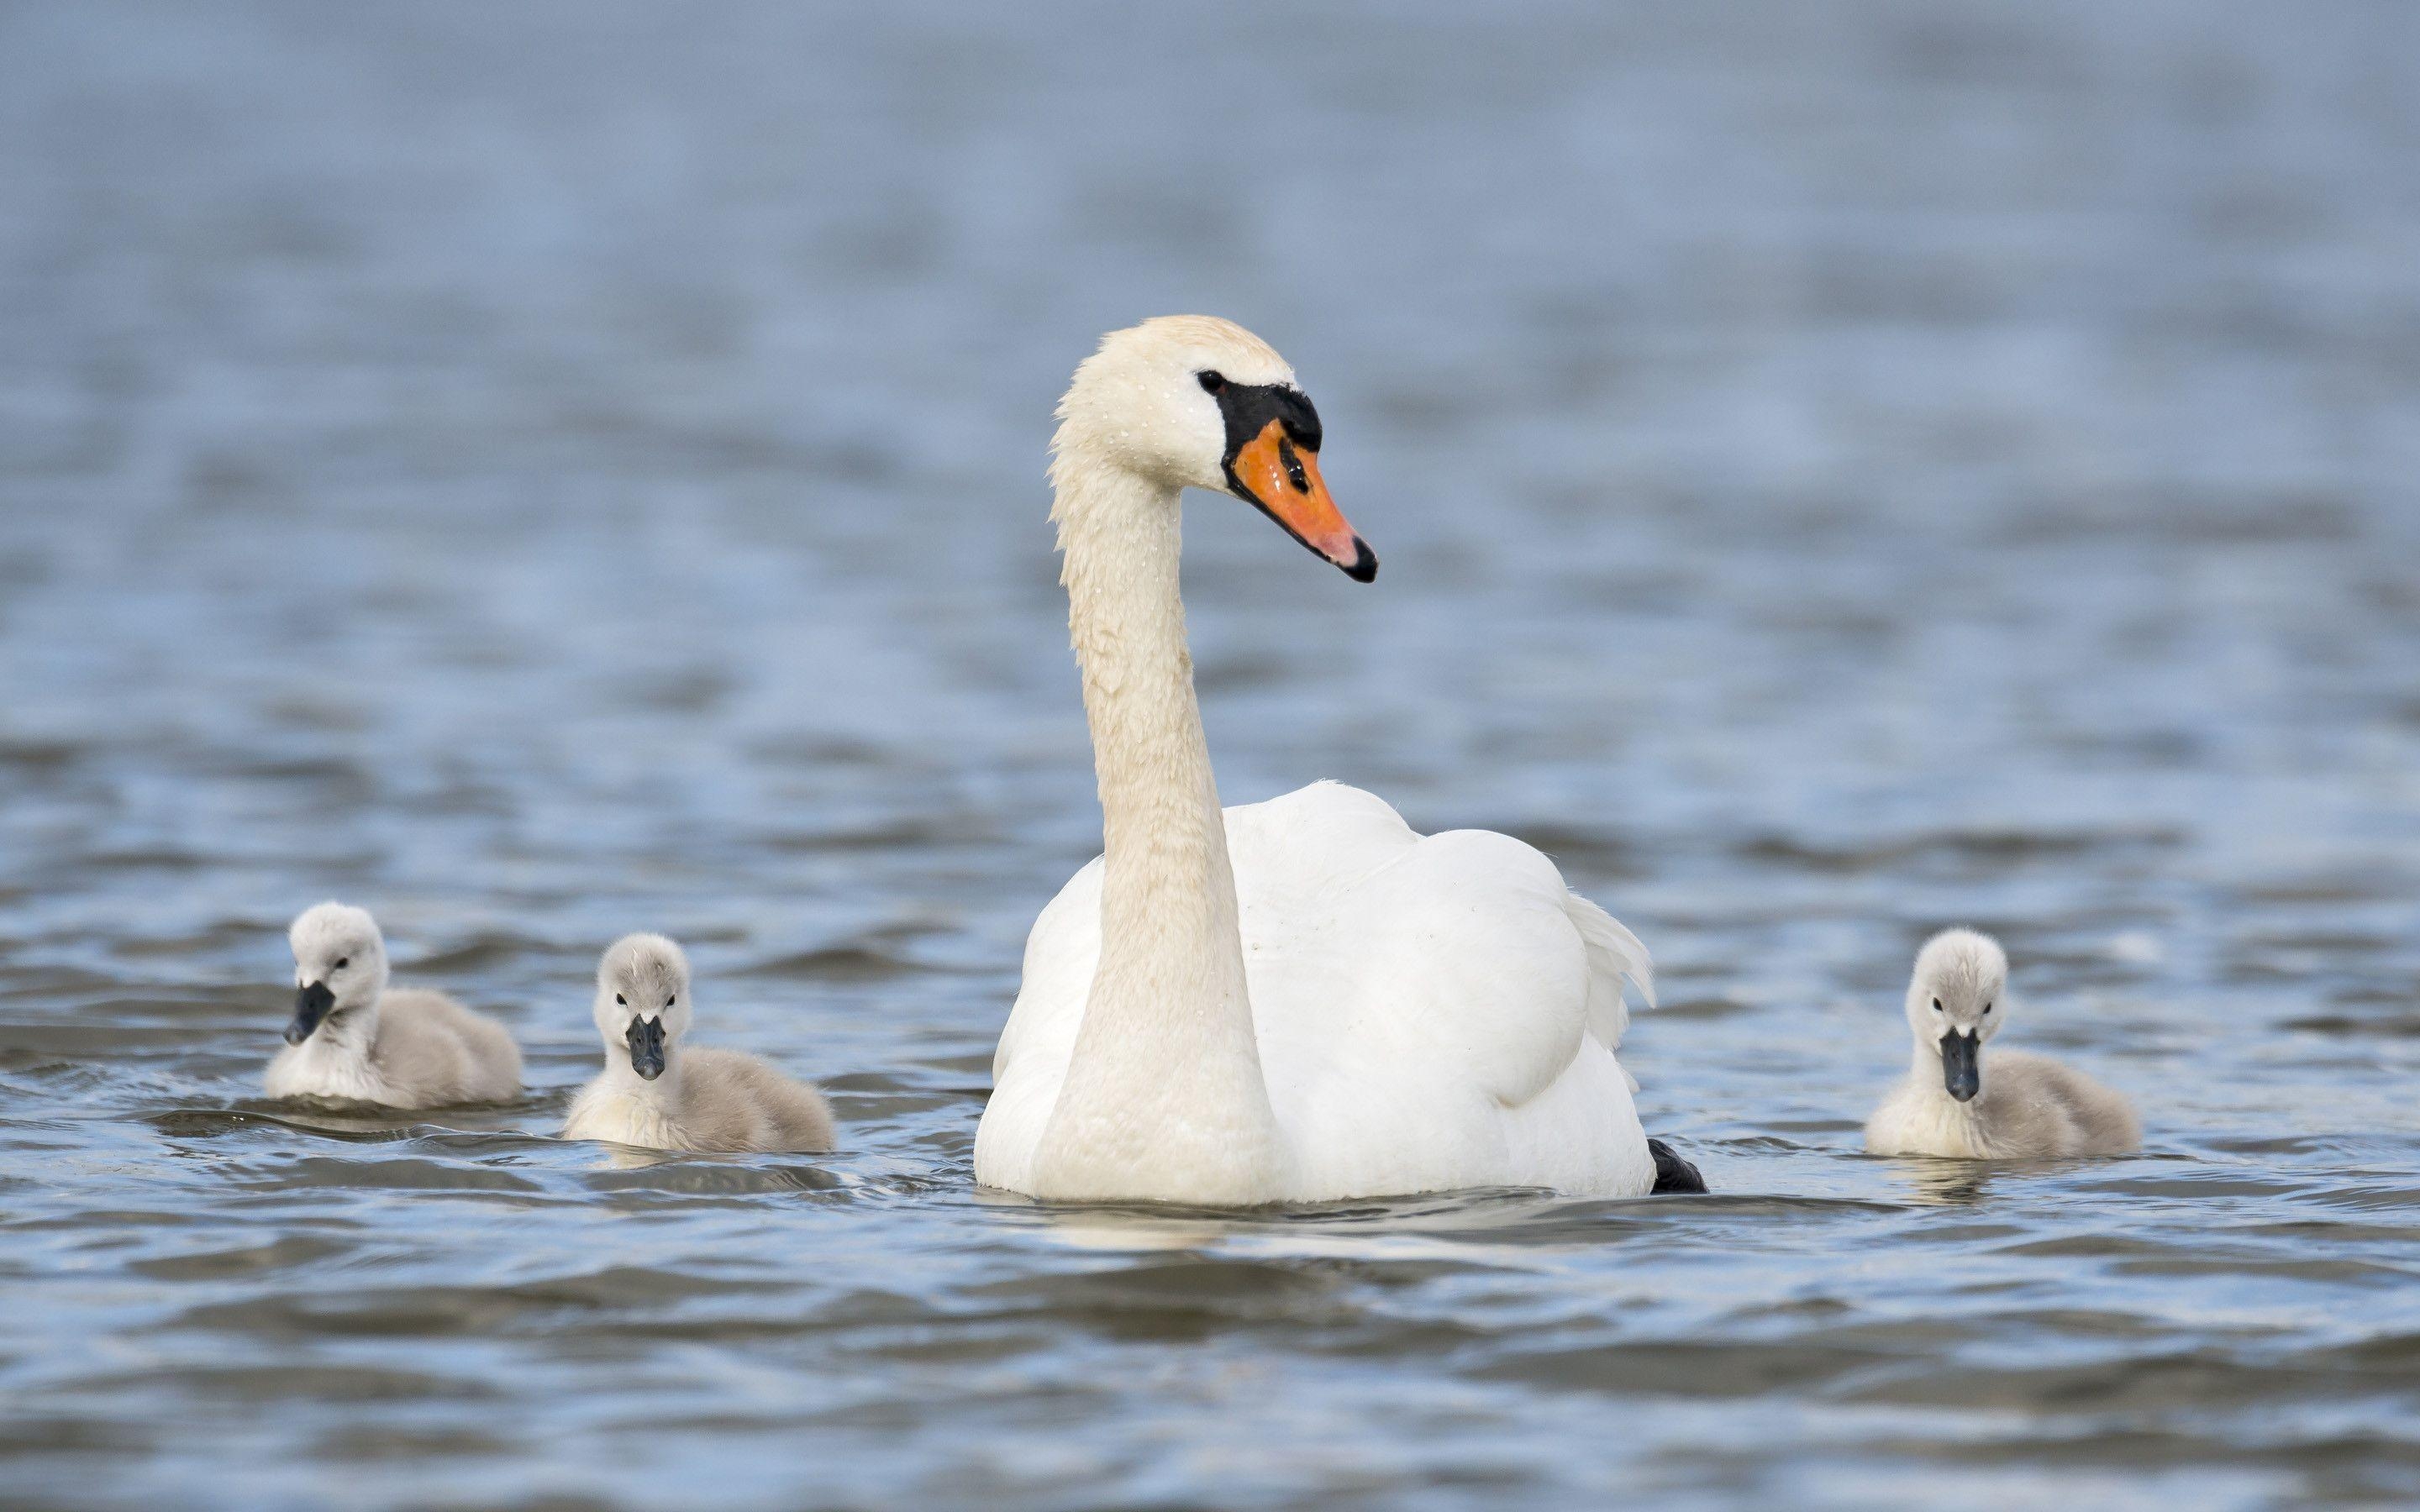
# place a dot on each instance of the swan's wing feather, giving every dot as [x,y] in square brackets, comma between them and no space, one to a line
[1617,961]
[1455,957]
[1060,954]
[1485,960]
[1433,1013]
[1039,1038]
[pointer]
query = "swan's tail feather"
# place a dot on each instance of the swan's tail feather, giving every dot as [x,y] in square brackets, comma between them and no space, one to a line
[1616,958]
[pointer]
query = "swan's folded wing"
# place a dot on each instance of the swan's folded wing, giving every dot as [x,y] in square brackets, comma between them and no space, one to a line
[1485,960]
[1060,952]
[1040,1036]
[1429,1009]
[1406,965]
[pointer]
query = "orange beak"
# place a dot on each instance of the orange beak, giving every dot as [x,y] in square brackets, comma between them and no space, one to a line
[1284,480]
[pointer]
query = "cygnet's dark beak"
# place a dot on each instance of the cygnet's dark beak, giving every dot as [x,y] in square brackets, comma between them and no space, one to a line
[311,1005]
[648,1047]
[1961,1069]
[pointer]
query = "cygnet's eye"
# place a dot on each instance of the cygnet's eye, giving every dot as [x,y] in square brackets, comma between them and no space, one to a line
[1986,1008]
[1212,380]
[668,1002]
[1936,1005]
[343,961]
[619,998]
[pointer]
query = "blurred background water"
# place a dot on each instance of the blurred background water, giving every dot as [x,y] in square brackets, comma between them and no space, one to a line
[551,470]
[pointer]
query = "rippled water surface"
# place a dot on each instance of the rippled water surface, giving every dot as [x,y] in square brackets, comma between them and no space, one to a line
[543,472]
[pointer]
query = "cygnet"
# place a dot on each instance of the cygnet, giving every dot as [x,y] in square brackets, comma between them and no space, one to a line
[660,1093]
[1959,1103]
[353,1038]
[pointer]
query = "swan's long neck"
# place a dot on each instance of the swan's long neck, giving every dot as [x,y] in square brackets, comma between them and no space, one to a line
[1164,1093]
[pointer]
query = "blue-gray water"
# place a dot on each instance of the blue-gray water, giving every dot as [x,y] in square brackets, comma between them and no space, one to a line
[547,470]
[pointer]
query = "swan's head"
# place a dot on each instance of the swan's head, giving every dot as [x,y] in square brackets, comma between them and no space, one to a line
[1958,998]
[1190,401]
[642,1001]
[339,966]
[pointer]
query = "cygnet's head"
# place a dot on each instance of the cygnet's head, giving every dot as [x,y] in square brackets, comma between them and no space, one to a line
[1191,401]
[1958,998]
[339,966]
[642,1001]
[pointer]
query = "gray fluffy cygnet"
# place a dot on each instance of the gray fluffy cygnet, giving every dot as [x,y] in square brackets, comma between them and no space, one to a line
[658,1093]
[354,1037]
[1958,1102]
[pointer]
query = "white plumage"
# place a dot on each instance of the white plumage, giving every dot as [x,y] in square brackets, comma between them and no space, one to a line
[1295,1000]
[1431,1014]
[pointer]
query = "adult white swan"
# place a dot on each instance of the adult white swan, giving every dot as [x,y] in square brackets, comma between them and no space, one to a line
[1299,999]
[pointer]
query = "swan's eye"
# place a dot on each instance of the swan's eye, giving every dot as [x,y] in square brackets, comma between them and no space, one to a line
[1986,1008]
[619,998]
[343,961]
[668,1002]
[1936,1005]
[1213,380]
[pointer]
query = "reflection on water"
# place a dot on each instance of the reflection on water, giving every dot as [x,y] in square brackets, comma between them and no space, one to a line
[1948,1182]
[1842,470]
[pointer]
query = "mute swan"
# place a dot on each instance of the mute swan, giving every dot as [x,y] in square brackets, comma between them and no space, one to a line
[658,1094]
[352,1037]
[2029,1108]
[1307,1000]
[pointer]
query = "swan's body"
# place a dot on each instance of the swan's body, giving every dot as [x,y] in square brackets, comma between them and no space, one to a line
[659,1094]
[1429,1014]
[1300,999]
[1956,1103]
[353,1038]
